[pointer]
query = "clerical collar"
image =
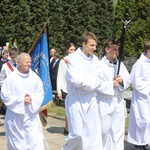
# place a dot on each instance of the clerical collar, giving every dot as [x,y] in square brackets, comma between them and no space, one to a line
[4,59]
[115,62]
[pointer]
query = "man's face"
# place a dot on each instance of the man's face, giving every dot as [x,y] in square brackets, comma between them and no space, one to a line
[52,52]
[14,58]
[148,53]
[112,52]
[89,47]
[25,64]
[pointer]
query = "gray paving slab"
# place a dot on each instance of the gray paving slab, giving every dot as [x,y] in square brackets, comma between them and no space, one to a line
[53,134]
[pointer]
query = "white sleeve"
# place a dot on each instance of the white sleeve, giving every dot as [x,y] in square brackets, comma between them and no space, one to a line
[142,85]
[37,96]
[125,76]
[2,75]
[12,102]
[60,75]
[76,76]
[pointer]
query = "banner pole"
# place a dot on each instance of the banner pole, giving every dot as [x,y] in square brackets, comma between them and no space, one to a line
[37,39]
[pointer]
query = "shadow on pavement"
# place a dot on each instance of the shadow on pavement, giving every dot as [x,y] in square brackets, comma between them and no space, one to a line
[2,118]
[2,133]
[128,146]
[55,129]
[1,124]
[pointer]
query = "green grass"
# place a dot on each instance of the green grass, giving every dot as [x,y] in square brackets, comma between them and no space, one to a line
[57,110]
[130,88]
[60,112]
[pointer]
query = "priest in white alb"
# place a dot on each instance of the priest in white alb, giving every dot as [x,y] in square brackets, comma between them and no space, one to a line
[23,94]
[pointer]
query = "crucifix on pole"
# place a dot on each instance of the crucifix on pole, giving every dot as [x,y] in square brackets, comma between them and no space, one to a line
[125,21]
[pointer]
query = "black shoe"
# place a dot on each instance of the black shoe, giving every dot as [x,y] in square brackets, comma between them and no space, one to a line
[138,147]
[145,147]
[65,132]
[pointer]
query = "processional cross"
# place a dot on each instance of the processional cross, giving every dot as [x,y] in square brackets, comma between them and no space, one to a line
[125,21]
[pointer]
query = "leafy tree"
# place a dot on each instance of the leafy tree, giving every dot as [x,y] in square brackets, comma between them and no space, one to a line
[22,32]
[6,19]
[56,25]
[39,14]
[138,30]
[15,16]
[73,18]
[22,21]
[68,19]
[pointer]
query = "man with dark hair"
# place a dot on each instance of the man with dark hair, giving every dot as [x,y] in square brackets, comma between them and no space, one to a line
[83,77]
[139,123]
[9,66]
[52,53]
[54,70]
[110,98]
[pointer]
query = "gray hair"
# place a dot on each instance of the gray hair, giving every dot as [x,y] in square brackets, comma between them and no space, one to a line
[21,56]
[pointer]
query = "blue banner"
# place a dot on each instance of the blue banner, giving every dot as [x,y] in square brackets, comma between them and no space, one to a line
[40,64]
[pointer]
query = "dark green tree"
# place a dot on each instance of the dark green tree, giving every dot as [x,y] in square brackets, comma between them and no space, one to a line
[22,21]
[138,30]
[39,14]
[15,22]
[71,18]
[6,21]
[68,20]
[23,30]
[56,25]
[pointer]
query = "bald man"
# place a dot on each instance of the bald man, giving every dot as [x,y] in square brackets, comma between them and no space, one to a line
[52,53]
[23,94]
